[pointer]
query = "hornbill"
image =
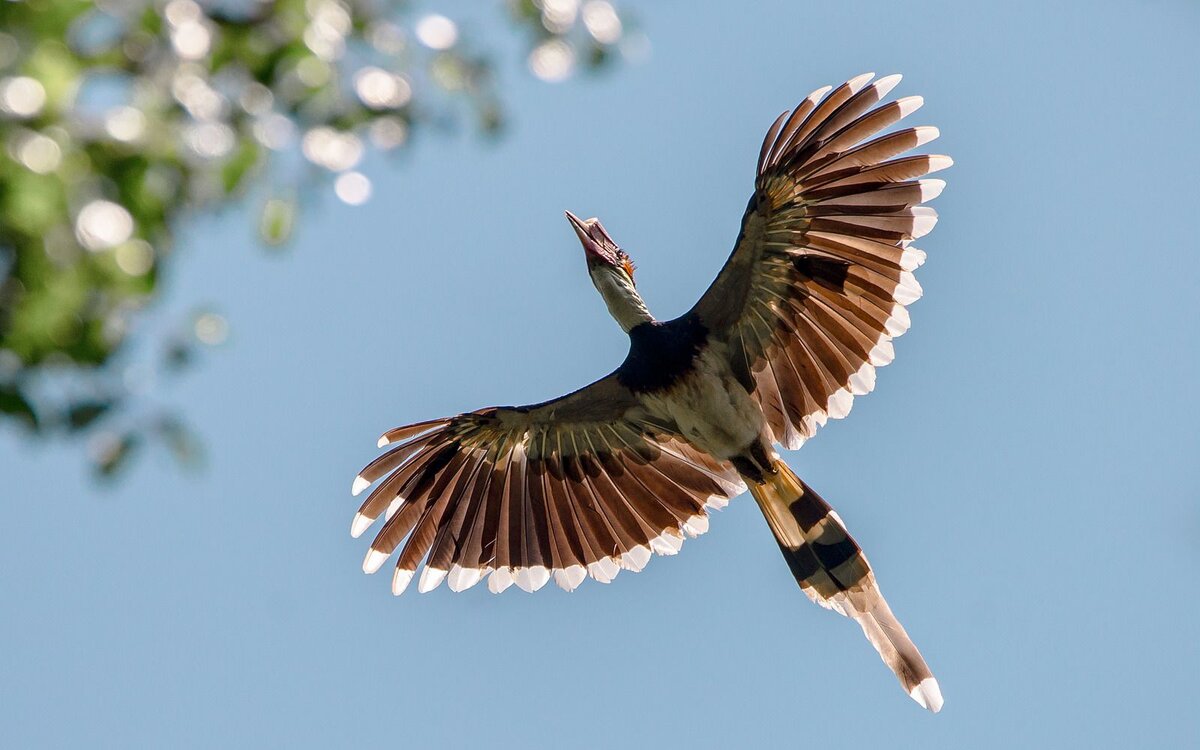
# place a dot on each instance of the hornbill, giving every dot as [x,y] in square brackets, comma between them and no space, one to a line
[790,331]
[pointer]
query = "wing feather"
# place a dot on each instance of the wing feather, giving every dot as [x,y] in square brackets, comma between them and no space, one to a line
[815,290]
[564,489]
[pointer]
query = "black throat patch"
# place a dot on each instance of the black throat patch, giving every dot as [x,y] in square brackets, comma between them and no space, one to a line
[662,353]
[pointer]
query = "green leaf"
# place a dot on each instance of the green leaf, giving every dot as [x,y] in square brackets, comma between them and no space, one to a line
[234,172]
[275,223]
[57,69]
[14,403]
[32,203]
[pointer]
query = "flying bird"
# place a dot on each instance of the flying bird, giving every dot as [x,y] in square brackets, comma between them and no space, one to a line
[791,330]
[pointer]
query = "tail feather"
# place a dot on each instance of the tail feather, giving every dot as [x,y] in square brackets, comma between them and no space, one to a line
[833,571]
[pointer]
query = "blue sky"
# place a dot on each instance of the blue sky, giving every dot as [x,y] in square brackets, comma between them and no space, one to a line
[1024,478]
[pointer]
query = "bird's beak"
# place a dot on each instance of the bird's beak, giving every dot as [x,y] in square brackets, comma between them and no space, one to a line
[590,246]
[580,229]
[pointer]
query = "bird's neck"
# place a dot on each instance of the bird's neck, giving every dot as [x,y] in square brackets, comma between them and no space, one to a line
[623,301]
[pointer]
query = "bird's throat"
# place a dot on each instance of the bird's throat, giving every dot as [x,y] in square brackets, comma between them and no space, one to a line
[623,301]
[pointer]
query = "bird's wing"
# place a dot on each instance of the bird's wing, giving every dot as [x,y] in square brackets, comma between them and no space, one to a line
[815,288]
[581,485]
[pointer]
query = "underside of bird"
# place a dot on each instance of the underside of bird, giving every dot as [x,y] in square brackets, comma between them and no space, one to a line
[791,330]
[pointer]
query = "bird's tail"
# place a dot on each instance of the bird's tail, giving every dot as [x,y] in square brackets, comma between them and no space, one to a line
[832,570]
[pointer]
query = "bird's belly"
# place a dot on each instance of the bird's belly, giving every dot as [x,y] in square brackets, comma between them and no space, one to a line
[711,408]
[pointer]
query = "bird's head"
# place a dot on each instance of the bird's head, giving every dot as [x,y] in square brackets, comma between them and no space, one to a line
[612,273]
[603,255]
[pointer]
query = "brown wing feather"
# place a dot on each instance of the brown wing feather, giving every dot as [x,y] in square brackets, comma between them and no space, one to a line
[568,488]
[815,289]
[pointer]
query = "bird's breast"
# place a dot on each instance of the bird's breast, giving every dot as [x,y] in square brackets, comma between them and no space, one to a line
[712,410]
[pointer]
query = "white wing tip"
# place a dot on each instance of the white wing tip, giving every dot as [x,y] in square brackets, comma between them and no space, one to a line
[604,570]
[938,162]
[523,579]
[931,188]
[924,220]
[840,404]
[374,560]
[928,694]
[461,579]
[909,104]
[431,578]
[383,440]
[912,258]
[717,502]
[569,578]
[361,524]
[863,380]
[499,580]
[882,353]
[532,578]
[909,289]
[926,133]
[857,83]
[360,484]
[819,94]
[696,525]
[888,82]
[400,580]
[898,322]
[636,558]
[667,544]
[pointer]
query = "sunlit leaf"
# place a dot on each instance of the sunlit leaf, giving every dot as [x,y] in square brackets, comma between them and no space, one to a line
[275,224]
[236,167]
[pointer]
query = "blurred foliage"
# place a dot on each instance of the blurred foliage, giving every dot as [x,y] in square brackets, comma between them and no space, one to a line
[119,118]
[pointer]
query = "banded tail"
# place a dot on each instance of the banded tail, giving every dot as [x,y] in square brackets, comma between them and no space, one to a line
[833,571]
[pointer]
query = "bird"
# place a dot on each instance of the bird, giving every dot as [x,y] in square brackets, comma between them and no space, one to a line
[790,331]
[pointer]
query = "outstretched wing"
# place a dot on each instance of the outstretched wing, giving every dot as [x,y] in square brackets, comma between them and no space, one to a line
[581,485]
[815,288]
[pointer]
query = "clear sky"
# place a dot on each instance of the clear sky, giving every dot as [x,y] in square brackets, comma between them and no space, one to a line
[1024,478]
